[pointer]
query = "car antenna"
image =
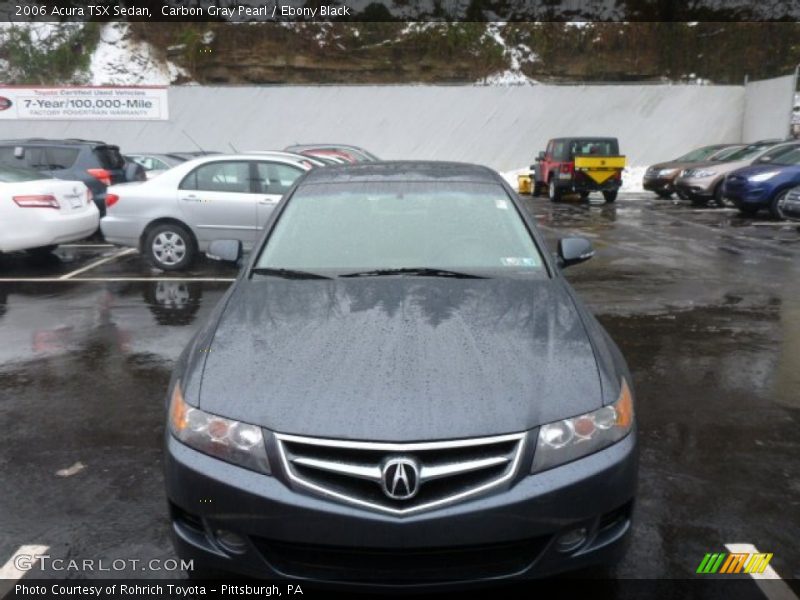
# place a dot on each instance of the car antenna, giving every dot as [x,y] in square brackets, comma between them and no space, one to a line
[191,139]
[235,151]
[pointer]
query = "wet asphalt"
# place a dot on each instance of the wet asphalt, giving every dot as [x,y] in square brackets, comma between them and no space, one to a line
[704,304]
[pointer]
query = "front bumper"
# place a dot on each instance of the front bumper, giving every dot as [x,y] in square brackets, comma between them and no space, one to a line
[696,187]
[658,184]
[508,534]
[748,195]
[588,185]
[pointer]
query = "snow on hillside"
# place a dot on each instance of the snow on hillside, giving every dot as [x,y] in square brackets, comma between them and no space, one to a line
[516,55]
[118,60]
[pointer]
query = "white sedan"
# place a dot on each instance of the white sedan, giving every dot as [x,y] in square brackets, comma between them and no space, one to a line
[37,212]
[176,215]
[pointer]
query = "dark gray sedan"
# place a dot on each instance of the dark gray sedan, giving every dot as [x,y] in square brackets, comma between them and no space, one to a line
[401,388]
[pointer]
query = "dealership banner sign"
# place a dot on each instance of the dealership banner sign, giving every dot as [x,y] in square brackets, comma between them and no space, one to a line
[84,103]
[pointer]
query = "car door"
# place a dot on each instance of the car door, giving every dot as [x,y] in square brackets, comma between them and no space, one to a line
[218,201]
[272,179]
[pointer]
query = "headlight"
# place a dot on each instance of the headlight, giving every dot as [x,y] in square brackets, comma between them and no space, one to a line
[231,441]
[701,173]
[763,176]
[564,441]
[666,172]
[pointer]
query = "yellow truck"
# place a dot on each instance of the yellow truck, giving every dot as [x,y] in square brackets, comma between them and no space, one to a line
[578,165]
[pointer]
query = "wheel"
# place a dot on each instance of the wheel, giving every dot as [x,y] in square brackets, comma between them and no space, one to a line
[664,194]
[748,211]
[170,247]
[41,250]
[682,195]
[553,192]
[698,200]
[776,205]
[610,196]
[584,195]
[173,302]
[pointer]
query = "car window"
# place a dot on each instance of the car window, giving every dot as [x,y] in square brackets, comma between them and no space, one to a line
[109,157]
[224,176]
[347,227]
[600,147]
[150,163]
[725,153]
[559,152]
[275,178]
[61,158]
[34,157]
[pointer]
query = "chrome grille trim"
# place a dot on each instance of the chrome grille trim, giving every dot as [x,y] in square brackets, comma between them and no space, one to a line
[373,473]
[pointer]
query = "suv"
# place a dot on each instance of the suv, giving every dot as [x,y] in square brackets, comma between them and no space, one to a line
[96,164]
[581,165]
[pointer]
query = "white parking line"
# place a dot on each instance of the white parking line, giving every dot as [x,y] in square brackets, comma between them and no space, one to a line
[769,582]
[98,263]
[10,569]
[86,245]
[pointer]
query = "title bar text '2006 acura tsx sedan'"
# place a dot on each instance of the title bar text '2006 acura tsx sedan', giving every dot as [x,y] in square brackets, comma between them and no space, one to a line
[401,388]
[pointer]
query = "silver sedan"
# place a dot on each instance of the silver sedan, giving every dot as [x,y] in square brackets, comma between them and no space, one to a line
[173,217]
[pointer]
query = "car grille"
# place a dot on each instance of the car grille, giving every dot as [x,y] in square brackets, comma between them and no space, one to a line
[397,565]
[400,478]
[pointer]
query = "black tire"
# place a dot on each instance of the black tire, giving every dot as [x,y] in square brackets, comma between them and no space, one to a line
[699,201]
[537,188]
[41,251]
[775,210]
[682,195]
[170,247]
[610,196]
[552,191]
[665,195]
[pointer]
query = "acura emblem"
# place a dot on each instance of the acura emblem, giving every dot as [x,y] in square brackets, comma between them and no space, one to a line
[400,478]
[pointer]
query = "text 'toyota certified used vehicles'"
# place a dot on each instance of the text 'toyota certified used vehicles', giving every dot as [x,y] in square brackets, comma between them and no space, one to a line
[579,165]
[38,212]
[174,216]
[401,387]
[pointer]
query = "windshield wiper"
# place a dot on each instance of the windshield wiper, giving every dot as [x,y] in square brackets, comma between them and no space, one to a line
[422,271]
[288,273]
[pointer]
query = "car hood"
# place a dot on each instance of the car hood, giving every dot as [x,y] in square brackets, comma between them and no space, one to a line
[751,170]
[399,359]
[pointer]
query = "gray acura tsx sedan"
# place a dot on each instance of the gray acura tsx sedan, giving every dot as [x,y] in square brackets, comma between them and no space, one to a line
[401,388]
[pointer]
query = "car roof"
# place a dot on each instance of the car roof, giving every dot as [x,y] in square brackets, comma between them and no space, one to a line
[584,137]
[61,142]
[403,170]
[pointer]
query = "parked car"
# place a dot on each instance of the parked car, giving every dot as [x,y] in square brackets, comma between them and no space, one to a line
[37,212]
[660,178]
[157,162]
[313,161]
[474,422]
[789,205]
[704,181]
[344,151]
[175,216]
[581,165]
[96,164]
[765,183]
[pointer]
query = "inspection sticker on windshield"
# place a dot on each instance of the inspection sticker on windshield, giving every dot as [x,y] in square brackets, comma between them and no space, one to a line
[514,261]
[502,204]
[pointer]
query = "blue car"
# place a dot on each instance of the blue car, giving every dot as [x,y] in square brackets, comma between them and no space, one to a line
[764,184]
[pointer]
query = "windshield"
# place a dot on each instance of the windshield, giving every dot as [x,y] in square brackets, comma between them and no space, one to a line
[368,226]
[787,157]
[725,153]
[777,155]
[698,155]
[746,152]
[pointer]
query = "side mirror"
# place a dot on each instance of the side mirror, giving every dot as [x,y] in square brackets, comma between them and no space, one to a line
[533,167]
[574,250]
[225,250]
[540,156]
[19,152]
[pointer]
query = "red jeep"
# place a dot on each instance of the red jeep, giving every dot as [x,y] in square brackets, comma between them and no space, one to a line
[580,165]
